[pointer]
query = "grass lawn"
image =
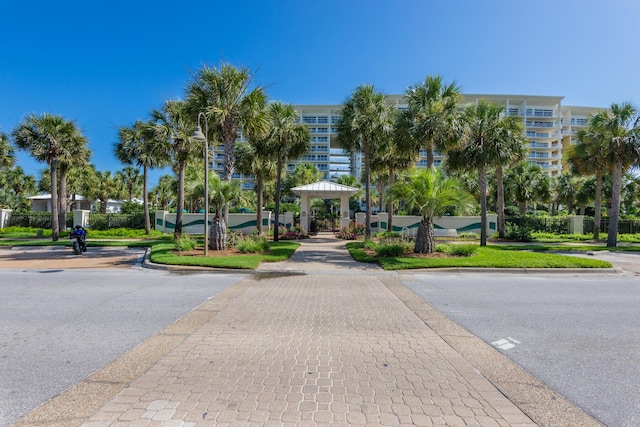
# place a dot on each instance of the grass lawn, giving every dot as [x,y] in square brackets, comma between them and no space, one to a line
[279,251]
[486,257]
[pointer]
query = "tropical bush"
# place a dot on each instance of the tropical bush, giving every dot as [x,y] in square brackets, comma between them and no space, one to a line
[389,247]
[521,233]
[352,232]
[294,233]
[253,244]
[184,243]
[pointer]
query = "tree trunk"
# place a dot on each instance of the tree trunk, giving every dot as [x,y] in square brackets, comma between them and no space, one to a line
[522,208]
[425,239]
[390,202]
[62,198]
[259,211]
[276,225]
[145,199]
[177,232]
[500,202]
[482,184]
[430,157]
[54,201]
[597,215]
[218,233]
[367,191]
[612,236]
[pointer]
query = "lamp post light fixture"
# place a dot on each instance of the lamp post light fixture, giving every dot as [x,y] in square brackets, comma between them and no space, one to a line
[199,136]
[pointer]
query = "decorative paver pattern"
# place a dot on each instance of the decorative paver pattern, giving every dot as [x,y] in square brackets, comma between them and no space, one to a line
[324,349]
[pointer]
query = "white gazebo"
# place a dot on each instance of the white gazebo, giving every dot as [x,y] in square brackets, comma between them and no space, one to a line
[324,190]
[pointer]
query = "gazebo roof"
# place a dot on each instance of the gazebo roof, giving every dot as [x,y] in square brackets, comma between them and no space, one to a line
[324,190]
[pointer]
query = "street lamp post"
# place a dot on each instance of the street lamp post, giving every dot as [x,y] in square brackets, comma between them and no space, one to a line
[199,136]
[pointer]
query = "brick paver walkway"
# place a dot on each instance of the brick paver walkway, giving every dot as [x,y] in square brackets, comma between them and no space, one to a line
[335,347]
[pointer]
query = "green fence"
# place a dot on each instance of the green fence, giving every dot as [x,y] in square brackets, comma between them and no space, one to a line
[96,221]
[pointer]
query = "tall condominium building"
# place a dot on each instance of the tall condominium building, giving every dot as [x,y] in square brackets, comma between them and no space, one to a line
[549,127]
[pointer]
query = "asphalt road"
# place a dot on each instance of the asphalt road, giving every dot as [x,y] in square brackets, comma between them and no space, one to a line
[58,326]
[576,333]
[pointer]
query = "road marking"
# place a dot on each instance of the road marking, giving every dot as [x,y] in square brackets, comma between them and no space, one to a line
[505,344]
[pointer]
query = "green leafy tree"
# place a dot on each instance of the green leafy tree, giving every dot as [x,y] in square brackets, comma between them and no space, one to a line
[253,158]
[104,186]
[619,129]
[485,130]
[7,153]
[527,183]
[287,140]
[165,191]
[431,193]
[226,96]
[73,155]
[140,145]
[174,126]
[302,174]
[366,120]
[432,118]
[46,138]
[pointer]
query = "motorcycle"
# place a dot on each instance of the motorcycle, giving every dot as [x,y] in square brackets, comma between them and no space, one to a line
[78,238]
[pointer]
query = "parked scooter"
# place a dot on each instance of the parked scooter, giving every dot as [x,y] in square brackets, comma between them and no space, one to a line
[78,239]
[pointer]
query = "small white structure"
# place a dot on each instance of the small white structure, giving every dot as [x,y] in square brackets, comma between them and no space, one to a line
[324,190]
[42,202]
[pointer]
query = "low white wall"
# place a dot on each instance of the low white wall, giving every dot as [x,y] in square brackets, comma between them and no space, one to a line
[192,223]
[409,224]
[5,214]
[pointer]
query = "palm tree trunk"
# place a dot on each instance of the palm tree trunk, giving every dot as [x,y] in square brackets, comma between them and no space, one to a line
[367,191]
[145,199]
[390,202]
[430,157]
[482,185]
[62,198]
[54,200]
[218,233]
[425,240]
[612,234]
[177,232]
[276,226]
[597,215]
[500,202]
[260,200]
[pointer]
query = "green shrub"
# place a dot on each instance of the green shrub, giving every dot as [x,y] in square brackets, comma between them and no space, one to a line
[253,244]
[389,247]
[352,232]
[518,233]
[463,250]
[184,243]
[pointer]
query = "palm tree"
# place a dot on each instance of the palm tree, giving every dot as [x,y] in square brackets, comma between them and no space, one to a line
[104,186]
[287,140]
[619,128]
[430,192]
[7,153]
[588,156]
[488,131]
[366,120]
[74,155]
[140,145]
[132,180]
[392,157]
[16,180]
[431,120]
[165,191]
[46,137]
[174,125]
[527,183]
[226,97]
[253,158]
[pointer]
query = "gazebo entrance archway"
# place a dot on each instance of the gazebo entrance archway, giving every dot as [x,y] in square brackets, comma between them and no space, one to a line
[324,190]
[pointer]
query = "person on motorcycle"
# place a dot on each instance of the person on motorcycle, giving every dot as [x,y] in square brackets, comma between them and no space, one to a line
[81,235]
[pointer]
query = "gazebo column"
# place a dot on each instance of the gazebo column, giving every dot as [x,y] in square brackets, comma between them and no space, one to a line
[304,211]
[344,211]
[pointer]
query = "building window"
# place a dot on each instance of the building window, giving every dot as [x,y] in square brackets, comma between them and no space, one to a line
[323,119]
[309,119]
[335,119]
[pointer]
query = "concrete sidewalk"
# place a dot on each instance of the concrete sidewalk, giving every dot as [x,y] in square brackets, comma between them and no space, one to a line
[317,340]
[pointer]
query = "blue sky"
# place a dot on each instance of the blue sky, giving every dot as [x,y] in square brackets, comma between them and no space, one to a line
[106,64]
